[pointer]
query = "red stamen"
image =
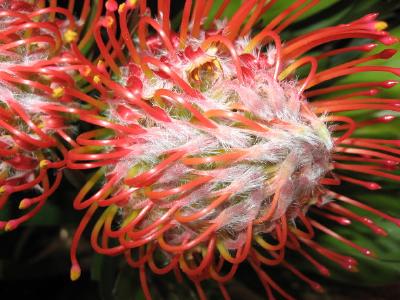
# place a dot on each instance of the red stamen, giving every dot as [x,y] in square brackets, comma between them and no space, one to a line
[340,238]
[184,23]
[365,207]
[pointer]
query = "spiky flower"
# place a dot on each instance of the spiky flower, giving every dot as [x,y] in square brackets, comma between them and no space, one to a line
[32,95]
[213,150]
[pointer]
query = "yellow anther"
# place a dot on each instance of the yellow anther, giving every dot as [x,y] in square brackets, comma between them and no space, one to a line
[45,77]
[381,25]
[70,36]
[217,64]
[58,92]
[121,7]
[131,2]
[109,21]
[2,189]
[86,71]
[43,163]
[8,227]
[96,79]
[24,204]
[75,273]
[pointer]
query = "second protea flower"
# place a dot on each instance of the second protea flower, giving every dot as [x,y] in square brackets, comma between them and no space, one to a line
[37,96]
[214,152]
[31,41]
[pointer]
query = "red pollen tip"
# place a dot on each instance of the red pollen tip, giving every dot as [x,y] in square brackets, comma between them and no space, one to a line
[11,225]
[351,261]
[379,231]
[111,5]
[350,268]
[387,118]
[373,92]
[317,287]
[367,220]
[368,252]
[391,163]
[370,17]
[344,221]
[389,83]
[387,53]
[324,271]
[369,47]
[388,40]
[372,186]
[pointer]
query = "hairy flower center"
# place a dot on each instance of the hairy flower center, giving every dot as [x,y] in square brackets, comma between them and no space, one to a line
[245,150]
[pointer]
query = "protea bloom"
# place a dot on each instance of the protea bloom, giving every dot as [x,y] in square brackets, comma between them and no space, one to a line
[33,101]
[214,152]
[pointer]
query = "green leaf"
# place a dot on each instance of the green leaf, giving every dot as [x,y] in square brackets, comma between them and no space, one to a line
[228,13]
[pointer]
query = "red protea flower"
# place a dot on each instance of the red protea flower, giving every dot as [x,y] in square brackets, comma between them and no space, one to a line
[213,152]
[32,95]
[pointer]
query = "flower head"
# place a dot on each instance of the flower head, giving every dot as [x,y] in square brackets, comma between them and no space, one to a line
[211,151]
[32,93]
